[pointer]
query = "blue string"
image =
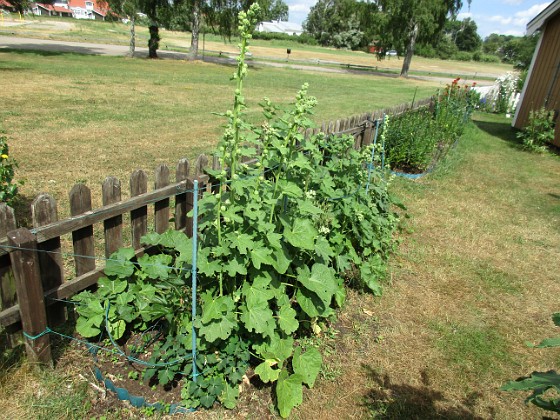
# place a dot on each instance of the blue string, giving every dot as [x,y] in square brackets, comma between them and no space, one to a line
[134,359]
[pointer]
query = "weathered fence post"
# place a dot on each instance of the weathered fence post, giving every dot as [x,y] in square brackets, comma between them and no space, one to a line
[25,263]
[138,217]
[44,212]
[111,191]
[161,219]
[8,294]
[181,174]
[80,202]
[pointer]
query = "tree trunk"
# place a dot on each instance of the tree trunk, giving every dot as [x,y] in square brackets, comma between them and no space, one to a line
[409,50]
[132,46]
[153,43]
[195,29]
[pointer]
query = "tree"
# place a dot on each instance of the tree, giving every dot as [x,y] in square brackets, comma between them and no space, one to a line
[273,10]
[342,23]
[219,16]
[519,51]
[408,21]
[467,38]
[22,5]
[494,43]
[130,9]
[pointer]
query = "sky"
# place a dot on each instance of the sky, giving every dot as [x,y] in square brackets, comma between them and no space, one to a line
[506,17]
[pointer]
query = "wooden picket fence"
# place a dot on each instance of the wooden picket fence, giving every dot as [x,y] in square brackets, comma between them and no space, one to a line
[32,272]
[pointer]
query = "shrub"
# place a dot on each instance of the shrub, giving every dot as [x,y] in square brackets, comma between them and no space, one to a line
[539,131]
[462,56]
[8,188]
[489,58]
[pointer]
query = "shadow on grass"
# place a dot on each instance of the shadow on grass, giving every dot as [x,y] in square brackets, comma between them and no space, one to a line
[388,400]
[502,130]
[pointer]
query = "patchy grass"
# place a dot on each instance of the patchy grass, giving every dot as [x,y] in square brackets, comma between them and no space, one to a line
[118,33]
[78,118]
[476,277]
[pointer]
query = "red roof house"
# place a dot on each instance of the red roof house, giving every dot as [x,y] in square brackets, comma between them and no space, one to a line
[77,9]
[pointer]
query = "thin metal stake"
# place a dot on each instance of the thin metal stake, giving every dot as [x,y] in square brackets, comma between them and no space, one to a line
[372,155]
[194,254]
[383,147]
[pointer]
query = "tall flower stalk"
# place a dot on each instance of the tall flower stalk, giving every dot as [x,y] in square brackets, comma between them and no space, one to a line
[232,138]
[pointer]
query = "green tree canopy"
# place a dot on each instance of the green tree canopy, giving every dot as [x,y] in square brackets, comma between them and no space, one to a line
[342,23]
[407,21]
[464,34]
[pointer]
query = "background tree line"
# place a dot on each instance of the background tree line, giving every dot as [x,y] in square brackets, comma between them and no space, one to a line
[432,25]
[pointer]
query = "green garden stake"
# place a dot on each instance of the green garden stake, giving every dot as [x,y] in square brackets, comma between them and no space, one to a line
[194,254]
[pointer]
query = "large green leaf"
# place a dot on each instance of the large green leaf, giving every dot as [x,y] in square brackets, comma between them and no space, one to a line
[310,303]
[117,328]
[281,260]
[258,293]
[308,365]
[242,241]
[217,329]
[156,266]
[235,266]
[111,287]
[215,307]
[119,263]
[548,342]
[206,266]
[290,189]
[321,280]
[323,249]
[266,371]
[307,207]
[259,318]
[278,349]
[287,319]
[261,255]
[302,234]
[549,379]
[89,326]
[289,392]
[229,396]
[545,386]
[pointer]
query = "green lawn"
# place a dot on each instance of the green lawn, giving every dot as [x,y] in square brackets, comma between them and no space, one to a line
[74,117]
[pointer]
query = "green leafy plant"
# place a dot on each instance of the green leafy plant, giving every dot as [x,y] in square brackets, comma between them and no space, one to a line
[415,139]
[539,131]
[279,241]
[8,188]
[545,385]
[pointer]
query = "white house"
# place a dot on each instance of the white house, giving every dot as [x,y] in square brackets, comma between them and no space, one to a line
[277,26]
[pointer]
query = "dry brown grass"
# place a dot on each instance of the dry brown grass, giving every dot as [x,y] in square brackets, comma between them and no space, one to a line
[482,257]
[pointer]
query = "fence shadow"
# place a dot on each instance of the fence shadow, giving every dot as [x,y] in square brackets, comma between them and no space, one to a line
[388,400]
